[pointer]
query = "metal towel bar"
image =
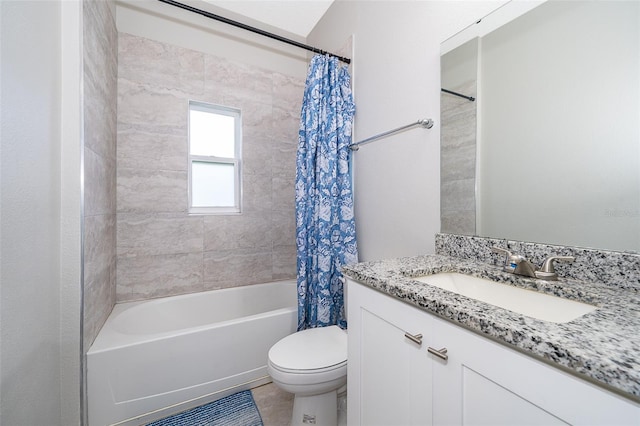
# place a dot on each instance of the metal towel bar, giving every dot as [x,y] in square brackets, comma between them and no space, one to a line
[426,123]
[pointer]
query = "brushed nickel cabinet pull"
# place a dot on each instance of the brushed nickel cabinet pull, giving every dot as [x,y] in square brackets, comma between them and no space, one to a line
[415,338]
[440,353]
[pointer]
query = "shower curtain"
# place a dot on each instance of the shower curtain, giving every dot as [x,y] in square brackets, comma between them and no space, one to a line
[325,225]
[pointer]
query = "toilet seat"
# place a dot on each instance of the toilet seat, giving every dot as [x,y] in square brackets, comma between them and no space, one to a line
[311,351]
[313,357]
[309,378]
[331,368]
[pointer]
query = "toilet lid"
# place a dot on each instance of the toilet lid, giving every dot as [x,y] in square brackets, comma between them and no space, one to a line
[311,349]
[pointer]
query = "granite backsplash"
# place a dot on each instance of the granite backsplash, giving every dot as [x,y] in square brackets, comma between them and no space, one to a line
[618,269]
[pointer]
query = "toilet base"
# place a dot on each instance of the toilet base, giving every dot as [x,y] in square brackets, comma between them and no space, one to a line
[342,406]
[321,410]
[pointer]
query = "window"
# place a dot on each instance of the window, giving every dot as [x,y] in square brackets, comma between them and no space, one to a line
[214,158]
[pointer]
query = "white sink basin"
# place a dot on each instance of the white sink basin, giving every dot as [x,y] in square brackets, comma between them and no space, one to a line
[525,302]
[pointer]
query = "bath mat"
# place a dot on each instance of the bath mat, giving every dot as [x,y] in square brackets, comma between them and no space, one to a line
[238,409]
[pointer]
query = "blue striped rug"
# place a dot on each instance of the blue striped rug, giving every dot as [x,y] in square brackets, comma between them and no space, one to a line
[238,409]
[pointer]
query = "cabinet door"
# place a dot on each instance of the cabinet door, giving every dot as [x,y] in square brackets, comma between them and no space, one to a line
[485,383]
[389,375]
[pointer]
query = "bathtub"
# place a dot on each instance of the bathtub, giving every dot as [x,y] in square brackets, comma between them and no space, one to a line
[160,356]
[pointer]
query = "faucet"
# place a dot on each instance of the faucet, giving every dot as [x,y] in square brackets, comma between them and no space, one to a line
[519,265]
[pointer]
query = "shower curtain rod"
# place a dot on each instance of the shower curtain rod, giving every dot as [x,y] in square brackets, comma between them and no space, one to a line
[426,123]
[253,29]
[471,98]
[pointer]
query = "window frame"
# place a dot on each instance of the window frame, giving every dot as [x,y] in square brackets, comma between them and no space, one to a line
[236,161]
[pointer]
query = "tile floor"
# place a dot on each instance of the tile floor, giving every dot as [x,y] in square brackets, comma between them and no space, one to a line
[274,404]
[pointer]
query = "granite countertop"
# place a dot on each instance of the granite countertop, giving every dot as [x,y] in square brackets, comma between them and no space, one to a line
[603,345]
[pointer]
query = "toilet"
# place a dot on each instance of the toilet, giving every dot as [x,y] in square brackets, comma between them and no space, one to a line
[311,364]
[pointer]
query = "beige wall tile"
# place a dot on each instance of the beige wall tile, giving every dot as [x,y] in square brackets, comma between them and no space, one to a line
[257,117]
[151,109]
[237,267]
[257,193]
[256,155]
[288,92]
[100,39]
[100,244]
[98,306]
[460,222]
[99,184]
[284,193]
[284,227]
[145,277]
[155,234]
[99,273]
[284,158]
[286,124]
[458,195]
[284,262]
[246,231]
[238,80]
[151,191]
[141,150]
[160,65]
[99,114]
[458,163]
[257,131]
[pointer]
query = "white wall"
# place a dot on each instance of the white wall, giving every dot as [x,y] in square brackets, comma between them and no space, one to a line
[396,78]
[39,307]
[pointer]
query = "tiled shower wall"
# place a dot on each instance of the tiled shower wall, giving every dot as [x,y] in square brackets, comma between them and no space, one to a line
[100,60]
[458,161]
[161,249]
[458,122]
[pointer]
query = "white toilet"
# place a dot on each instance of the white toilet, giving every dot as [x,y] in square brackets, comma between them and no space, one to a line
[312,364]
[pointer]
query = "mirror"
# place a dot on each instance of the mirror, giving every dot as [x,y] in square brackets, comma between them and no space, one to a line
[549,150]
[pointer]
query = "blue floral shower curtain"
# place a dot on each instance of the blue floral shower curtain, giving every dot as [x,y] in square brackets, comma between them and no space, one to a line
[325,225]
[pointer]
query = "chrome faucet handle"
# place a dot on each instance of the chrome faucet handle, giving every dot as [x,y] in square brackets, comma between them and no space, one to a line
[547,271]
[508,265]
[501,250]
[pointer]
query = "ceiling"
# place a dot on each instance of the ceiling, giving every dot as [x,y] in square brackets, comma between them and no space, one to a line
[294,16]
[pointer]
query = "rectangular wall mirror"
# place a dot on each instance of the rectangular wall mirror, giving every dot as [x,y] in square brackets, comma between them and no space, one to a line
[549,149]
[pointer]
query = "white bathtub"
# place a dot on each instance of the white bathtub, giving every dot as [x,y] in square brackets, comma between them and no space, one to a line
[155,357]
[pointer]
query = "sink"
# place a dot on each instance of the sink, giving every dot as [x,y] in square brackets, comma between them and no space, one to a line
[525,302]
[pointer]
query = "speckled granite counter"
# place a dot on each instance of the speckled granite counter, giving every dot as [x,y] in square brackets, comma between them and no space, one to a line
[603,346]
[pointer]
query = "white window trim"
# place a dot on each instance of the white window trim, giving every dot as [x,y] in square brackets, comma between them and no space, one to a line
[237,161]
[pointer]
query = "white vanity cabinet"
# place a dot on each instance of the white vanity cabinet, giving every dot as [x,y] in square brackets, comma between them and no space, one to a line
[394,381]
[388,375]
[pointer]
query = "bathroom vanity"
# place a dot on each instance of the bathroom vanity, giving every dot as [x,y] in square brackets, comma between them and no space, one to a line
[419,354]
[523,156]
